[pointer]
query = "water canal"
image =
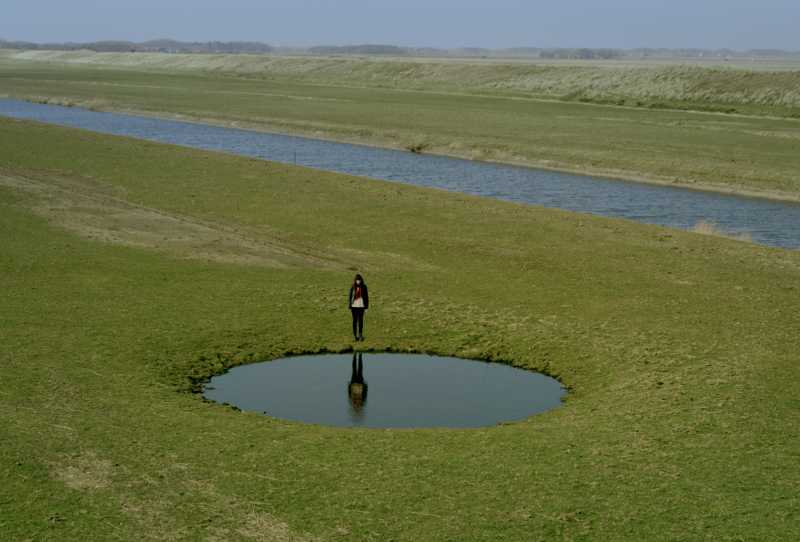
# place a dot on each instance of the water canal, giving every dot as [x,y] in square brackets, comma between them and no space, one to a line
[767,222]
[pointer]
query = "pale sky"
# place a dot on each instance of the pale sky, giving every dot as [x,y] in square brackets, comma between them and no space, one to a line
[734,24]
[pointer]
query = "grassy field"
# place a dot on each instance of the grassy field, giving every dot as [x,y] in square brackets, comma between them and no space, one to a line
[742,87]
[131,271]
[458,109]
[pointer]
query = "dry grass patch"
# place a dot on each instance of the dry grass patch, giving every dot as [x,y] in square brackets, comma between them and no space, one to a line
[263,526]
[83,472]
[93,213]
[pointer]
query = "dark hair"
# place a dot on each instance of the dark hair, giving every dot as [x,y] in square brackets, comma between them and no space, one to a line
[358,277]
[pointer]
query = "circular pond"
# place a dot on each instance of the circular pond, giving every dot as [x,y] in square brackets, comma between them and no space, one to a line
[387,390]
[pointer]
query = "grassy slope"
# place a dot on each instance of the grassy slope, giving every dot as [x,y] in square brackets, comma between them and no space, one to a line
[723,152]
[681,86]
[681,351]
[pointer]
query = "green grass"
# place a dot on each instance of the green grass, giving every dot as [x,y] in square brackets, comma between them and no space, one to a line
[637,83]
[680,351]
[350,100]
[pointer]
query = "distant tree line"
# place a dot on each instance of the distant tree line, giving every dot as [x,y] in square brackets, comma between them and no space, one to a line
[174,46]
[163,46]
[584,54]
[367,49]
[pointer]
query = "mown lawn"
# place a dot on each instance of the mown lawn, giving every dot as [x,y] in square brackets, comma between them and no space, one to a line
[132,270]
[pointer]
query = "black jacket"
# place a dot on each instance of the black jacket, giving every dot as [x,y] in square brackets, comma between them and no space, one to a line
[364,295]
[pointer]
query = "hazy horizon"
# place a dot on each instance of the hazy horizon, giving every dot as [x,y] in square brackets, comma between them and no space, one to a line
[375,44]
[622,24]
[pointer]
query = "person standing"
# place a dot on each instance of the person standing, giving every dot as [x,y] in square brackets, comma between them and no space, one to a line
[358,301]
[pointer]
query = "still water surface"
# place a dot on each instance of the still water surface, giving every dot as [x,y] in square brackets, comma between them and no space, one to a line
[387,390]
[767,222]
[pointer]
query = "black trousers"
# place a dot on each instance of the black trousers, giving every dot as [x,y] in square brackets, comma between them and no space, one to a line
[358,321]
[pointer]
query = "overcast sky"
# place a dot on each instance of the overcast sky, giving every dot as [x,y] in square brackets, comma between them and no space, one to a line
[735,24]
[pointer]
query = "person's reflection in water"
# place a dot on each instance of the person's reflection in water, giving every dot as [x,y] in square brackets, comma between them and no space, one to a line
[357,389]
